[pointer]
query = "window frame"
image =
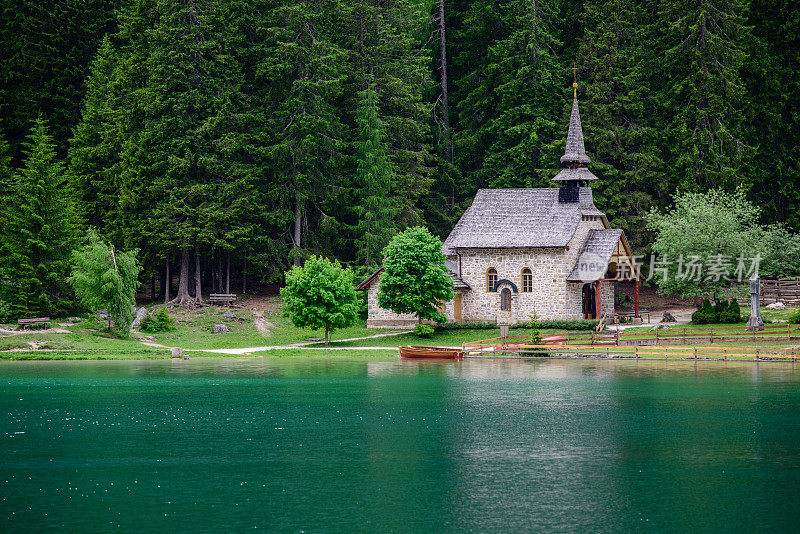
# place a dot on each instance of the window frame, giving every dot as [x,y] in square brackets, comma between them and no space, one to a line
[490,287]
[526,272]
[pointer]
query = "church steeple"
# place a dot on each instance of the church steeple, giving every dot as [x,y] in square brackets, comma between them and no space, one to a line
[574,162]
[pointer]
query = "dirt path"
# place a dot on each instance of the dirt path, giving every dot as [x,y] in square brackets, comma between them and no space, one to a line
[305,345]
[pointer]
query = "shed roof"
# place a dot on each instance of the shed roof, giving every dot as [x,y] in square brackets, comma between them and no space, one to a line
[599,246]
[519,218]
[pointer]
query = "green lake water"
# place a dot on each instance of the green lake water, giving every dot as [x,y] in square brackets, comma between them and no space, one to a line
[316,445]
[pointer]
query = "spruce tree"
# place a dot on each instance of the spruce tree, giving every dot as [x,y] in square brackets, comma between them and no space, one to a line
[704,93]
[6,181]
[375,209]
[40,234]
[510,116]
[305,70]
[389,54]
[618,111]
[183,173]
[94,148]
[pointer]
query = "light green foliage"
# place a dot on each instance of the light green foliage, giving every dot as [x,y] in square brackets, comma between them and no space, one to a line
[39,236]
[320,294]
[536,334]
[415,279]
[424,330]
[705,225]
[106,279]
[157,322]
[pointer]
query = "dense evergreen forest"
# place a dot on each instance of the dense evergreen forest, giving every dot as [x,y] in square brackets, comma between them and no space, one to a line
[232,138]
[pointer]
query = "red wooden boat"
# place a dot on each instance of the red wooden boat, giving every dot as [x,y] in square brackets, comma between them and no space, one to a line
[431,352]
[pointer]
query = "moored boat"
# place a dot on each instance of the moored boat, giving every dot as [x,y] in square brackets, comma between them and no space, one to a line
[431,352]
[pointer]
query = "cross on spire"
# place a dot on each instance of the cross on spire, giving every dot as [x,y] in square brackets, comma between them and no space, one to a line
[574,81]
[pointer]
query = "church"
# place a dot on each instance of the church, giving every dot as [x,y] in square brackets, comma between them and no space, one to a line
[519,252]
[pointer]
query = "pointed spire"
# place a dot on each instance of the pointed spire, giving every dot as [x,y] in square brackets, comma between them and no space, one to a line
[574,161]
[575,153]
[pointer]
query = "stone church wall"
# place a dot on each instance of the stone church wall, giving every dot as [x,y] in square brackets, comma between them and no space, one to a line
[552,296]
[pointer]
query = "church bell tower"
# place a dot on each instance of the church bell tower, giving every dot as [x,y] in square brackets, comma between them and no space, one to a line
[574,163]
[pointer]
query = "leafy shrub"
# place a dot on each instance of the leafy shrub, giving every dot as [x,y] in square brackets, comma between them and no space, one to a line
[423,330]
[559,324]
[158,322]
[5,311]
[795,317]
[723,312]
[704,314]
[732,314]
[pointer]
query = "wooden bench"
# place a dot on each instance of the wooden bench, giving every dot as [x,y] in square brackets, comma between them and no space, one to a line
[627,317]
[33,322]
[222,298]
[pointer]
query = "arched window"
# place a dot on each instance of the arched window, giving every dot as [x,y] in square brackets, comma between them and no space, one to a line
[491,279]
[505,299]
[527,280]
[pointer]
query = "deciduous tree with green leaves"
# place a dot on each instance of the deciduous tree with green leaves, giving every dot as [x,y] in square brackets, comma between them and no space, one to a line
[105,279]
[320,294]
[711,229]
[415,278]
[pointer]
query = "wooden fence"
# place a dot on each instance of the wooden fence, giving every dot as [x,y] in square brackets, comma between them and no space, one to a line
[634,352]
[786,290]
[645,344]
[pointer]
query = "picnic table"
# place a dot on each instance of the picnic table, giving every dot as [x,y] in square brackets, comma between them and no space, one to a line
[33,322]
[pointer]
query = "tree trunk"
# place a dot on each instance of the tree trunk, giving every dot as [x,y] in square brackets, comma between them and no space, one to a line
[165,281]
[198,286]
[228,273]
[153,287]
[183,297]
[244,275]
[298,226]
[443,81]
[326,335]
[219,272]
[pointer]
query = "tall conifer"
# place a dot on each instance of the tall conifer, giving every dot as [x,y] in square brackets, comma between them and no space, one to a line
[40,234]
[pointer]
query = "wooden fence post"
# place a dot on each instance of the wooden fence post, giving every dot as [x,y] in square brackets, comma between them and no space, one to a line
[712,334]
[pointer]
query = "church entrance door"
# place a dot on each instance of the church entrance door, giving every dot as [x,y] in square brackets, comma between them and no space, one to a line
[589,308]
[457,308]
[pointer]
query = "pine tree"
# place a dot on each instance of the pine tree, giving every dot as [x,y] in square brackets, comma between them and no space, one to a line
[94,147]
[704,93]
[47,47]
[184,173]
[6,181]
[305,70]
[40,235]
[510,116]
[617,111]
[375,210]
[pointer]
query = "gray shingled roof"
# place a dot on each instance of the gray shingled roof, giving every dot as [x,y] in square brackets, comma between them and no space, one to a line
[575,152]
[600,244]
[577,173]
[519,218]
